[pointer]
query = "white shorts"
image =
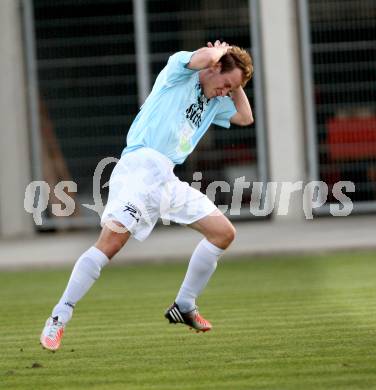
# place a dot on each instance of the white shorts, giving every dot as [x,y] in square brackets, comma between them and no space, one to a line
[143,188]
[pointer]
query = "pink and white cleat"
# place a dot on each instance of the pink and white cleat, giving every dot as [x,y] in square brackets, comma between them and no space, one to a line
[193,318]
[52,334]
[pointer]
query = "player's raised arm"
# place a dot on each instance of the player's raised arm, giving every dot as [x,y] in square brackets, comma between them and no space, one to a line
[244,116]
[208,56]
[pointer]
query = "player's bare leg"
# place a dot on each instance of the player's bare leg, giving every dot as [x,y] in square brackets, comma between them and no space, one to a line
[85,272]
[216,228]
[219,233]
[112,238]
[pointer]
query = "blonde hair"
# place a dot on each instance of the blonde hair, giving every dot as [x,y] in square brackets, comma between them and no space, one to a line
[237,57]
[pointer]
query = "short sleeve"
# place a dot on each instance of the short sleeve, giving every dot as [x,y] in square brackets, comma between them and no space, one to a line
[176,68]
[226,111]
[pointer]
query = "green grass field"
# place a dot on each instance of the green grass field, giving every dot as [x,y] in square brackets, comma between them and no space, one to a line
[279,323]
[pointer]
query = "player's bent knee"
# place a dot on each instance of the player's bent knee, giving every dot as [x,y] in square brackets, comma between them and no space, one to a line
[115,245]
[111,241]
[229,235]
[109,246]
[224,236]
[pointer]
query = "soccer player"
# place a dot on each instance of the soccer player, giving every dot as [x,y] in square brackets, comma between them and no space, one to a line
[194,90]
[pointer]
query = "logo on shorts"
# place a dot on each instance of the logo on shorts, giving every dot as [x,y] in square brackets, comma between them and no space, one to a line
[133,211]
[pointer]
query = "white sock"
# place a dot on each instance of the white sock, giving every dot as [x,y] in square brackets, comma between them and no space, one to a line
[201,267]
[85,272]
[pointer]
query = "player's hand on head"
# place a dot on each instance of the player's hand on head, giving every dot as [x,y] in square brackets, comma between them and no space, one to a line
[224,46]
[218,43]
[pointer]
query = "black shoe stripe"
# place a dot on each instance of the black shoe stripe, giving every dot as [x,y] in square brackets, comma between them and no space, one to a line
[172,315]
[178,315]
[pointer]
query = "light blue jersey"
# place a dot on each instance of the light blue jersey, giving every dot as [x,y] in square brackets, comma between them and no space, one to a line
[176,114]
